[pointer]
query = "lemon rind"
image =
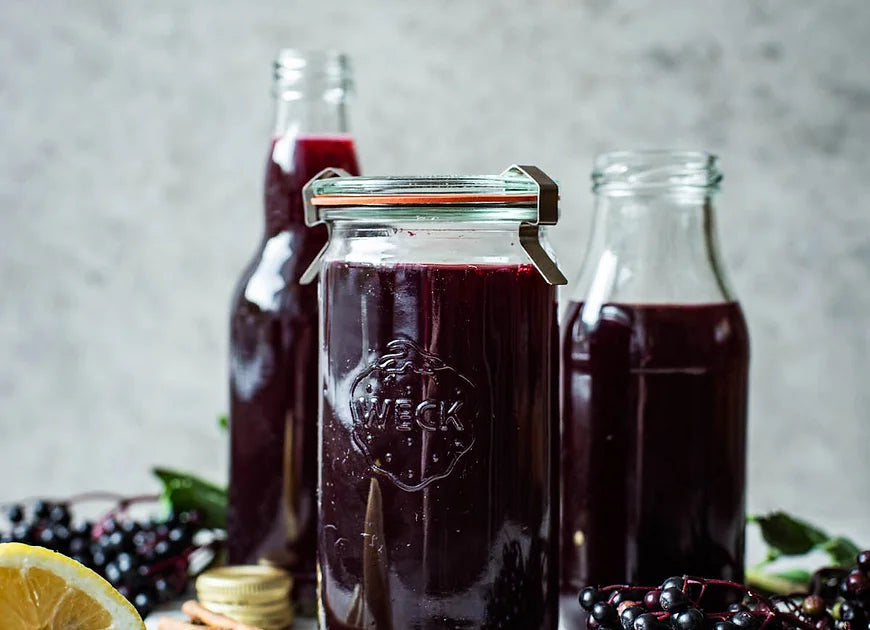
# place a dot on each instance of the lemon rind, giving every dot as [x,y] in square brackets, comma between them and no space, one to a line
[20,556]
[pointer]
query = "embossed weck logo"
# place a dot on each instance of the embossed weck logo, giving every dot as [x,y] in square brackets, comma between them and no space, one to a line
[413,415]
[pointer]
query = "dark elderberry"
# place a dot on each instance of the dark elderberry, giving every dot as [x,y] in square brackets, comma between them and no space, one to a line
[191,517]
[746,620]
[724,625]
[130,527]
[83,529]
[826,582]
[692,619]
[41,510]
[113,574]
[651,599]
[737,607]
[673,582]
[864,561]
[629,615]
[98,558]
[59,514]
[856,583]
[47,538]
[673,600]
[62,536]
[121,542]
[15,514]
[178,539]
[825,623]
[24,533]
[163,591]
[605,614]
[143,538]
[125,562]
[853,614]
[162,549]
[813,605]
[647,621]
[590,596]
[79,546]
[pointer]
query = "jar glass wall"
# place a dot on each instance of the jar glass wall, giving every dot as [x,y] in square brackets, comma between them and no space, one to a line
[439,419]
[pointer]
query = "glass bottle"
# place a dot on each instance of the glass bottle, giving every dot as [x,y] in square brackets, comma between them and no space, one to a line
[272,515]
[654,374]
[439,419]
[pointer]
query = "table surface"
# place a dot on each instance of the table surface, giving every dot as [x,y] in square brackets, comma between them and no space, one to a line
[174,610]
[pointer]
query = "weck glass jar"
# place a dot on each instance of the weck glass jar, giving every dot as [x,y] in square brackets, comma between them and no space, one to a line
[655,360]
[439,419]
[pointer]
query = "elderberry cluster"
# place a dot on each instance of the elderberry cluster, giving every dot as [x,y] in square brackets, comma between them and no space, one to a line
[844,593]
[840,601]
[147,562]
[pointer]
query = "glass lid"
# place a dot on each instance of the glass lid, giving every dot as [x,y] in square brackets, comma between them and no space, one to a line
[448,190]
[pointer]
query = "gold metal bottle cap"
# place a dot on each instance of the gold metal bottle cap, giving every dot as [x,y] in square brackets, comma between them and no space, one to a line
[254,595]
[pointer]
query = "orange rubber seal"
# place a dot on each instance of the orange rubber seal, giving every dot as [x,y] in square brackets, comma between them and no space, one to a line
[421,200]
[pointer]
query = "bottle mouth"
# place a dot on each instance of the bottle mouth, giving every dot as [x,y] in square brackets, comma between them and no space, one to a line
[298,71]
[655,170]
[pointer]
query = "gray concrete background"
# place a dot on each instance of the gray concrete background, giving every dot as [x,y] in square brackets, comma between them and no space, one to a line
[132,144]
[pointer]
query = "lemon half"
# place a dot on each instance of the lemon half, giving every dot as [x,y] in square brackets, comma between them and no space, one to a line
[44,590]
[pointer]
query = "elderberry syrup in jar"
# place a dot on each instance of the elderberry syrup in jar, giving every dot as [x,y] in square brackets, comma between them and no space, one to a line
[439,419]
[655,358]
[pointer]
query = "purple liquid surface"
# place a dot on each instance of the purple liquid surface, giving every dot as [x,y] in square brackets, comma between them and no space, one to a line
[439,448]
[273,373]
[654,444]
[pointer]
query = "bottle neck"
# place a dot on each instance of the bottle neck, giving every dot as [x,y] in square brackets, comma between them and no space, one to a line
[310,132]
[653,248]
[309,115]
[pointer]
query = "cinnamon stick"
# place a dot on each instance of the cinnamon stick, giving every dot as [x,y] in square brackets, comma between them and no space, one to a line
[168,623]
[198,612]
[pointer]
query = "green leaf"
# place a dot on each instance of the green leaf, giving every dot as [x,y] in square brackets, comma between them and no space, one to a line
[223,422]
[183,492]
[789,536]
[797,576]
[842,551]
[777,584]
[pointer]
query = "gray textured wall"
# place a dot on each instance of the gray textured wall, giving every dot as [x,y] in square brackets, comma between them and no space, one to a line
[132,144]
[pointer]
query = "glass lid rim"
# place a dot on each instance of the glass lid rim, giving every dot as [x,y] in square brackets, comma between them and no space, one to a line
[424,190]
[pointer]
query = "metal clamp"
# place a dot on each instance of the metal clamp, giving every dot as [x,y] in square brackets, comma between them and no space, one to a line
[547,211]
[312,218]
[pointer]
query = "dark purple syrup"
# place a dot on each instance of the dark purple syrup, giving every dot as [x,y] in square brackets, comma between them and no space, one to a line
[654,443]
[273,373]
[439,448]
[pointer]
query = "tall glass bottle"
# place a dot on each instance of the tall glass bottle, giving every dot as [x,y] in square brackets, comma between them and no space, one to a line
[274,395]
[655,358]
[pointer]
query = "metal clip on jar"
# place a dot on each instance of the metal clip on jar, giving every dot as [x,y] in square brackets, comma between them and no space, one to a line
[439,420]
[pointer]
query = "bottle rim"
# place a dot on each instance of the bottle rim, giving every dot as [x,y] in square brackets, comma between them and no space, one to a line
[328,70]
[655,170]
